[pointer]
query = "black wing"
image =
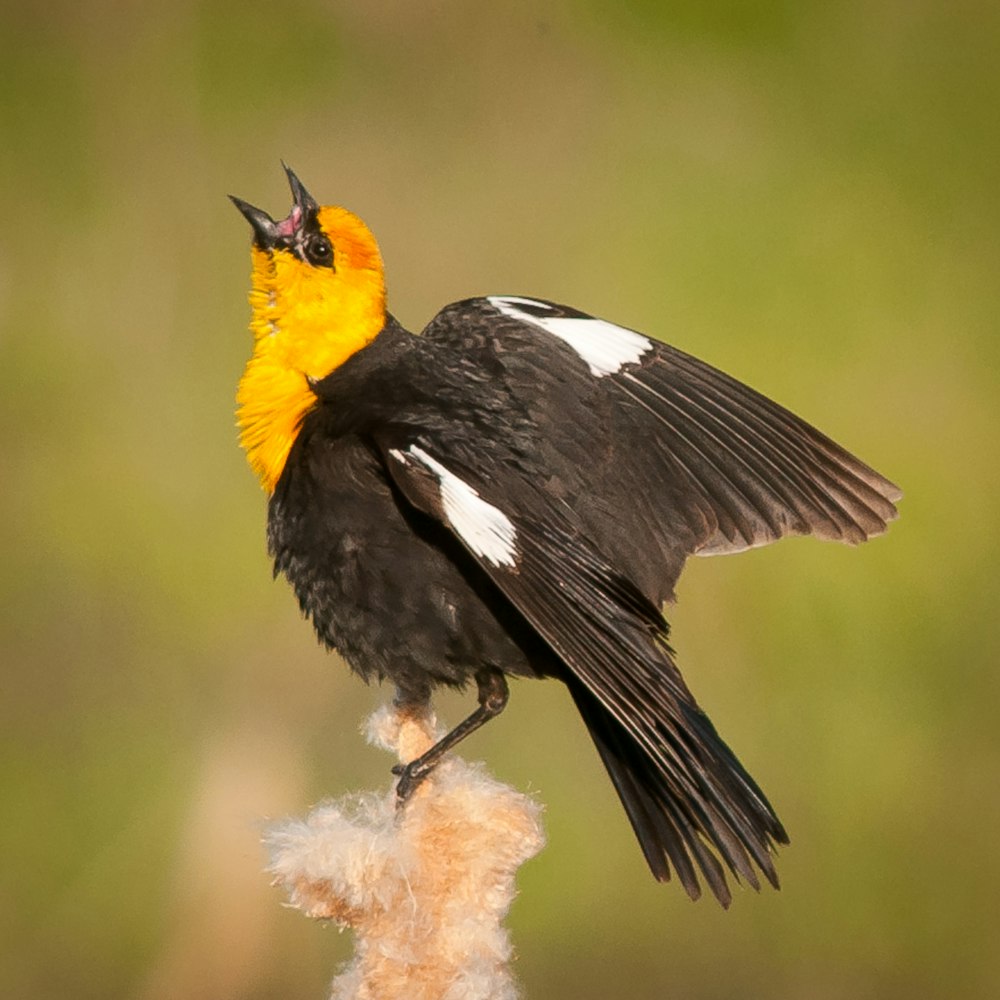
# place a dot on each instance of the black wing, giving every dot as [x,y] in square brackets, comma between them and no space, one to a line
[672,457]
[688,798]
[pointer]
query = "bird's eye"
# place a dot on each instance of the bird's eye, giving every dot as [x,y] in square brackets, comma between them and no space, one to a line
[319,251]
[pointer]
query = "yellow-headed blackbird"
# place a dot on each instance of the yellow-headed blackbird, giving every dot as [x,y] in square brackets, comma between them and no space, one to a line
[516,491]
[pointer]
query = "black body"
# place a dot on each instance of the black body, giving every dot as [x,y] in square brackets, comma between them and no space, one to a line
[609,481]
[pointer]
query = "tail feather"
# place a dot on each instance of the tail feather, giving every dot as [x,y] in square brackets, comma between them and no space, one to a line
[664,825]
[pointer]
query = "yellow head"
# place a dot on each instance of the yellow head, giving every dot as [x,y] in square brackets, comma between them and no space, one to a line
[318,296]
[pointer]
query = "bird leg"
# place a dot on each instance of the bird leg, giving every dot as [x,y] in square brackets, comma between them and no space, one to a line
[493,695]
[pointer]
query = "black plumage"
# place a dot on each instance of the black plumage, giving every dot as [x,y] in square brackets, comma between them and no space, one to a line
[515,492]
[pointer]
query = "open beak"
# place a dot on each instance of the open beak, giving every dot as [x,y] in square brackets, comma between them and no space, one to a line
[304,201]
[265,229]
[268,233]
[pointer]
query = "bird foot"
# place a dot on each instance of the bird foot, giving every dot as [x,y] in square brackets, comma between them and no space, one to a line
[410,776]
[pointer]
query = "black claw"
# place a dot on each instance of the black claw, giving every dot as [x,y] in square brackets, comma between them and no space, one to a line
[492,698]
[410,776]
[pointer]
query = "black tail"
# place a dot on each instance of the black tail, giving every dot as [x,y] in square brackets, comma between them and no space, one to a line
[733,821]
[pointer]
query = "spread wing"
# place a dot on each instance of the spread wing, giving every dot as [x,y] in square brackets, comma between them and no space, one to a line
[690,801]
[623,457]
[662,455]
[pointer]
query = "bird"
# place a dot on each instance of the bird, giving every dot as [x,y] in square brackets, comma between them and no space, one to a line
[513,493]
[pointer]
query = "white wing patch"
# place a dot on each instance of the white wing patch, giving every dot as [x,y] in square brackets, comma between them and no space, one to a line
[605,347]
[485,529]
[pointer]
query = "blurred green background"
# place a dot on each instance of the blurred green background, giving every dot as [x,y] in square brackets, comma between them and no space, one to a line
[804,194]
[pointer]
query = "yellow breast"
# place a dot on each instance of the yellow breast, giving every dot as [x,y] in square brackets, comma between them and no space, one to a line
[307,321]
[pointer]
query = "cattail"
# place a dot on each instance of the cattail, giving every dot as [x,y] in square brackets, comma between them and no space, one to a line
[424,887]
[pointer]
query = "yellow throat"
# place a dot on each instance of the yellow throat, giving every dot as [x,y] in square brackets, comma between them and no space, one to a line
[307,320]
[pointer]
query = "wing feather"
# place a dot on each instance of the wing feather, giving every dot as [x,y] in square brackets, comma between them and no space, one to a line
[682,460]
[644,455]
[799,480]
[690,801]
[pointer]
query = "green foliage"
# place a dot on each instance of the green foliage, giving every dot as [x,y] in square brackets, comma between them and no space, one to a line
[803,194]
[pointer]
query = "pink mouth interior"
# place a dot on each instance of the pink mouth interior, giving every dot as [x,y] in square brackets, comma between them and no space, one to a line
[288,226]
